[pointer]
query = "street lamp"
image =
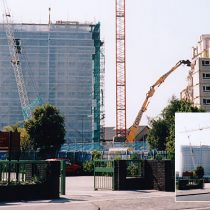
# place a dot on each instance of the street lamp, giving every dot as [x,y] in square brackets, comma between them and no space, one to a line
[82,135]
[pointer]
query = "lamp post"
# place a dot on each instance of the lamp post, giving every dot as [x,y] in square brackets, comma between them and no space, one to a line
[82,135]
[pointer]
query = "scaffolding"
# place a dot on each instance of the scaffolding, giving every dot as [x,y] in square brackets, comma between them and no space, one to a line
[96,99]
[63,71]
[102,96]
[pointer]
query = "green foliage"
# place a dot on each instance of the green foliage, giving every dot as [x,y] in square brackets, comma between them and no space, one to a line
[46,129]
[132,170]
[117,157]
[158,134]
[25,142]
[161,136]
[88,167]
[134,156]
[96,155]
[170,146]
[199,172]
[9,128]
[158,157]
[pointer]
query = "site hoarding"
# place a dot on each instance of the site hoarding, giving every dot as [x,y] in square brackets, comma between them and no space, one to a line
[9,141]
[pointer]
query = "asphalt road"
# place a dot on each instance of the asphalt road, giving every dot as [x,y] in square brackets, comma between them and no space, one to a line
[81,196]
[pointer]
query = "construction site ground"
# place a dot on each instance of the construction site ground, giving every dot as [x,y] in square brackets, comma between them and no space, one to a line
[80,195]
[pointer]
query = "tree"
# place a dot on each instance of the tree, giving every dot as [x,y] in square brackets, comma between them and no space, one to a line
[46,129]
[158,134]
[161,136]
[25,142]
[88,166]
[11,128]
[199,172]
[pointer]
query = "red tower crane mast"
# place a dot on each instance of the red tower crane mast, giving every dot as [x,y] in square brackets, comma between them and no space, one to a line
[120,69]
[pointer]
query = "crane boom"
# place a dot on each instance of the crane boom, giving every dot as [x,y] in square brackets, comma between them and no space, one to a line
[150,93]
[14,51]
[198,129]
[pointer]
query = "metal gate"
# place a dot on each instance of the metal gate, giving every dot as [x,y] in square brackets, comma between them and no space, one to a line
[104,174]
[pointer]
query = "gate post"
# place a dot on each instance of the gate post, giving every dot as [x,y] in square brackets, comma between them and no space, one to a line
[119,177]
[94,174]
[63,176]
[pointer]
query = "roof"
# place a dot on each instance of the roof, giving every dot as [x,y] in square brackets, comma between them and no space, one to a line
[110,131]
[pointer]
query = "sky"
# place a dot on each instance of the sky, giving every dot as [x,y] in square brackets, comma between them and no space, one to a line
[159,33]
[184,124]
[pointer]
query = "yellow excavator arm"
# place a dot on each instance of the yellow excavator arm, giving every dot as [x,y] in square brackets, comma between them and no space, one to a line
[132,131]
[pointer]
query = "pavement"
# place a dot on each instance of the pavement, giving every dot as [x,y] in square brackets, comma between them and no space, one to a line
[80,195]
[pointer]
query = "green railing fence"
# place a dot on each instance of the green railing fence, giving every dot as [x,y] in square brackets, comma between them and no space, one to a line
[108,174]
[22,172]
[29,172]
[104,174]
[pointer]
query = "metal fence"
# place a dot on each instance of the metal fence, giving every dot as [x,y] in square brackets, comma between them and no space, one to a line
[22,172]
[104,174]
[82,147]
[109,173]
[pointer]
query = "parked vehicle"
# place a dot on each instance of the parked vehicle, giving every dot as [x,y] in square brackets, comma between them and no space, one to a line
[71,168]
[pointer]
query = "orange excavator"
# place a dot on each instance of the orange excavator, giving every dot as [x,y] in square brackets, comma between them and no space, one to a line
[132,131]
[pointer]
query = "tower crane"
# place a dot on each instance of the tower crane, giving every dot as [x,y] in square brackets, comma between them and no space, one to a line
[132,131]
[188,136]
[15,51]
[191,152]
[120,34]
[198,129]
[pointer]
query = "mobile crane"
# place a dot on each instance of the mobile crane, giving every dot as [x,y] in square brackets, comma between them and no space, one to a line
[132,131]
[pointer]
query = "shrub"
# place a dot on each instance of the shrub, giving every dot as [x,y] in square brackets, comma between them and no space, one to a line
[199,172]
[96,155]
[117,157]
[88,167]
[158,157]
[185,184]
[134,156]
[132,170]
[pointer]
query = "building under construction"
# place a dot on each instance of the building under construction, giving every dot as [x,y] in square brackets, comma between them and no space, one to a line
[193,156]
[61,63]
[198,88]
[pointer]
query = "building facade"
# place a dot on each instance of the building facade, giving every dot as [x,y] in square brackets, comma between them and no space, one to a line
[193,156]
[198,89]
[61,65]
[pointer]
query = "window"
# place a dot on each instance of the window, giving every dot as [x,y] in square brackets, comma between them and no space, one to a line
[206,88]
[205,63]
[206,76]
[206,101]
